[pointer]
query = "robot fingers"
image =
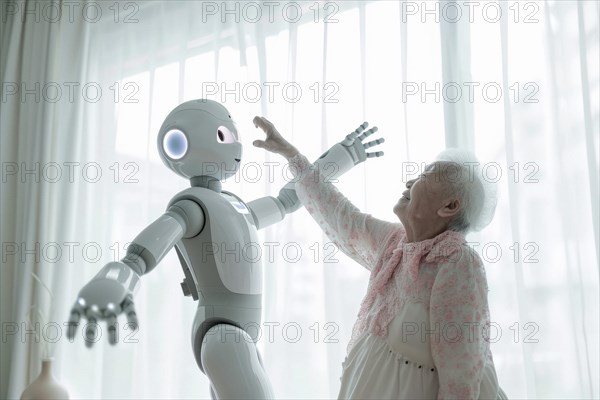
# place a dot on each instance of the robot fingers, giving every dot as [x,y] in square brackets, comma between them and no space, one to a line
[376,154]
[368,133]
[90,334]
[129,310]
[373,143]
[352,136]
[111,322]
[361,128]
[74,319]
[93,313]
[91,331]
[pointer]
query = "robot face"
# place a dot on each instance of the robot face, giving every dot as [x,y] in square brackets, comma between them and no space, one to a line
[199,138]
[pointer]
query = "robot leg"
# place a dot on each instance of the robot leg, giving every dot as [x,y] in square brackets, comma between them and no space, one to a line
[231,362]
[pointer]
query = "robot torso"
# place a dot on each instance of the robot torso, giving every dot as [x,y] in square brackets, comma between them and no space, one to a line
[225,256]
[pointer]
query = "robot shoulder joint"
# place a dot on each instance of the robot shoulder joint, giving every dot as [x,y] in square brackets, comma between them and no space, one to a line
[190,216]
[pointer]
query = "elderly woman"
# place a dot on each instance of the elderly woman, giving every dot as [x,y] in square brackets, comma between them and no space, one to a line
[420,328]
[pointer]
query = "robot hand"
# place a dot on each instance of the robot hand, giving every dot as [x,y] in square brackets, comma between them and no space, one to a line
[351,151]
[288,197]
[107,295]
[356,148]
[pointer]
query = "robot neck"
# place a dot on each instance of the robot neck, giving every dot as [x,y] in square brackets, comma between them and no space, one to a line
[207,182]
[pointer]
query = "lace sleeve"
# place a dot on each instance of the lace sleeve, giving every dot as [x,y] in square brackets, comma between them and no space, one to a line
[459,314]
[358,235]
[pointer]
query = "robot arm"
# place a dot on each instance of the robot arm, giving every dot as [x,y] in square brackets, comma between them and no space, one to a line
[268,210]
[182,220]
[333,163]
[111,291]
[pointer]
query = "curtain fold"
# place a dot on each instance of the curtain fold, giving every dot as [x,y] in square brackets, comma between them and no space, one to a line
[38,201]
[456,70]
[592,162]
[513,198]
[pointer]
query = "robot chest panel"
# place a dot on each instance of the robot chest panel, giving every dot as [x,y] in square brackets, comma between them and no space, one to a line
[227,243]
[229,230]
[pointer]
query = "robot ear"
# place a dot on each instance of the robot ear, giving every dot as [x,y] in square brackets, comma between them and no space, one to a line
[175,144]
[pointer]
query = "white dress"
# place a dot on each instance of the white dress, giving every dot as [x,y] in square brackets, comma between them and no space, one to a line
[400,366]
[394,353]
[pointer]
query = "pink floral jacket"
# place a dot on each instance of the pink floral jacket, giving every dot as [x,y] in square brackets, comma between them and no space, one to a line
[444,273]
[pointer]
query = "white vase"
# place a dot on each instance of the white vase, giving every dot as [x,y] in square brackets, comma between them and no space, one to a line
[45,386]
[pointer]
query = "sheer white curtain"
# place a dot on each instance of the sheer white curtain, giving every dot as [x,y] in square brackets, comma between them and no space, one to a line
[50,154]
[529,108]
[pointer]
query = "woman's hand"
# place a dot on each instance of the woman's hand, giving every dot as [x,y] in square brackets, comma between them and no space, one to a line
[274,142]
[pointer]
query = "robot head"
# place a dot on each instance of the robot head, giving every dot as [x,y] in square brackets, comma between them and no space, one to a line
[199,138]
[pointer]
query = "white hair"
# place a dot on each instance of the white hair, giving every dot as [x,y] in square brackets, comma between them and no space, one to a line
[476,194]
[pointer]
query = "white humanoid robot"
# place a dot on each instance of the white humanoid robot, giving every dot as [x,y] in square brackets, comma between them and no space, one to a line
[210,230]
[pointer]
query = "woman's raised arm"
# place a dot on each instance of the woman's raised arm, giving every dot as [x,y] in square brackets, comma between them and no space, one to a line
[358,235]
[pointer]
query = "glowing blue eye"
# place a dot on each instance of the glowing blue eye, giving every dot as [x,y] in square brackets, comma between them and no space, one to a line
[175,144]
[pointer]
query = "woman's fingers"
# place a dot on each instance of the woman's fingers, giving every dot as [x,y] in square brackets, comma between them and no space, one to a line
[270,143]
[263,123]
[274,142]
[273,137]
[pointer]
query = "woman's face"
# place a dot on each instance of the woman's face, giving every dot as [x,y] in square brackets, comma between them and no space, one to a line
[424,197]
